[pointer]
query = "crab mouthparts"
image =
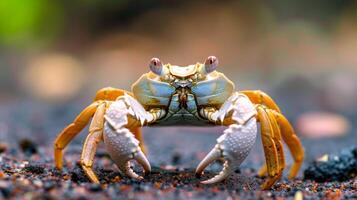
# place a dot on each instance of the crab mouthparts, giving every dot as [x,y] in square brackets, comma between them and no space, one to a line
[182,83]
[182,92]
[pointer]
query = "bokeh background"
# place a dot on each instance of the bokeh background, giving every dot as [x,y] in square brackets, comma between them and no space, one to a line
[54,56]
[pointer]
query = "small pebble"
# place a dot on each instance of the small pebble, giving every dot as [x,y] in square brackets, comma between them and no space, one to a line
[38,183]
[3,147]
[48,186]
[2,174]
[95,187]
[28,147]
[176,158]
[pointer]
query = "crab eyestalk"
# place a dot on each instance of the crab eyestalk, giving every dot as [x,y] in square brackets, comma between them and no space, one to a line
[157,67]
[210,65]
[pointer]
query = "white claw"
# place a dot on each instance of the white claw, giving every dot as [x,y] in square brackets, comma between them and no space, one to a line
[237,140]
[120,142]
[215,154]
[129,172]
[143,161]
[211,157]
[226,171]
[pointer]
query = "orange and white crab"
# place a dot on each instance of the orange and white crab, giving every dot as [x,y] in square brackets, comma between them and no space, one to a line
[196,95]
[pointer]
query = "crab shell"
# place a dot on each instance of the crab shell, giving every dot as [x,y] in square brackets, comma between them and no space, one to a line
[214,90]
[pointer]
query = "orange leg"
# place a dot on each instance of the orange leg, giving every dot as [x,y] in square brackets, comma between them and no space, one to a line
[259,97]
[90,145]
[62,140]
[281,128]
[292,141]
[71,131]
[263,170]
[96,135]
[270,149]
[278,142]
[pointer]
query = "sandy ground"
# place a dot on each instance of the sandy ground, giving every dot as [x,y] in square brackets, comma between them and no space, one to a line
[27,171]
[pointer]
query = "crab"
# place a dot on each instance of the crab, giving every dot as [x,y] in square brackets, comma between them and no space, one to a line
[193,95]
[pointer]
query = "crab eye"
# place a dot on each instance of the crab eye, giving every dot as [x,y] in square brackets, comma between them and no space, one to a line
[211,64]
[156,66]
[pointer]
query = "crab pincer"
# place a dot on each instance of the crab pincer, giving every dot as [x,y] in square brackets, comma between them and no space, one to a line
[232,147]
[120,142]
[237,140]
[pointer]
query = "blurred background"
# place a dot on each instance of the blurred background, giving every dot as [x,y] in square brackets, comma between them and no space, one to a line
[55,55]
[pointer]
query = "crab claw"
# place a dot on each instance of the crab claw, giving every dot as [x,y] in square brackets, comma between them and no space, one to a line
[212,156]
[141,159]
[123,147]
[120,142]
[232,147]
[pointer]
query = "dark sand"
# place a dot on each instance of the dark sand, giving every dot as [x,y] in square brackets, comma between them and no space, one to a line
[27,170]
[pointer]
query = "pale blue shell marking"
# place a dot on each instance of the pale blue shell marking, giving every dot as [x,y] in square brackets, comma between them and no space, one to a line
[213,91]
[150,92]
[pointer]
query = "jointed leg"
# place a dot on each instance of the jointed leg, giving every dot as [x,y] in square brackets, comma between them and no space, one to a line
[71,131]
[259,97]
[62,140]
[263,170]
[292,142]
[90,145]
[270,150]
[278,142]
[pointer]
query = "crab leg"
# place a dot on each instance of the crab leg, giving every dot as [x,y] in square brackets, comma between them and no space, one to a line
[71,131]
[63,139]
[263,170]
[292,142]
[270,150]
[278,142]
[90,145]
[259,97]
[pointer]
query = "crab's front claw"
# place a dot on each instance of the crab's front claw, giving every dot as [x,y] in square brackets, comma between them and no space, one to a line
[123,148]
[129,150]
[141,159]
[214,155]
[122,116]
[232,147]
